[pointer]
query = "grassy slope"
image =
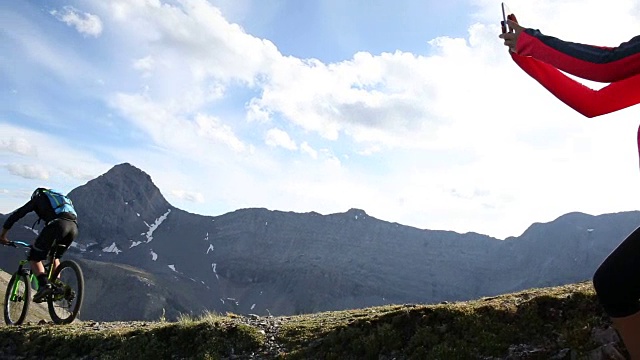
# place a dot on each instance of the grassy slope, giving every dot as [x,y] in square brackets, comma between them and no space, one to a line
[547,320]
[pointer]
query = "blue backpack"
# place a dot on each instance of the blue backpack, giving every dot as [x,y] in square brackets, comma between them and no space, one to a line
[59,202]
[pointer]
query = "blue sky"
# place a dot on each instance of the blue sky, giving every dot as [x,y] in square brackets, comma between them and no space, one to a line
[409,110]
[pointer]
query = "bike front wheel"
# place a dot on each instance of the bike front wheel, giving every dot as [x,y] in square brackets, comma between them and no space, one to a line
[17,299]
[68,290]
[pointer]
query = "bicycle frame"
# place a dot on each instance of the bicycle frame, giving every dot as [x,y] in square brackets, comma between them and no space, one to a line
[33,281]
[63,301]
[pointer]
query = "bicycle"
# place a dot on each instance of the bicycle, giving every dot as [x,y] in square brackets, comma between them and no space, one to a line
[64,301]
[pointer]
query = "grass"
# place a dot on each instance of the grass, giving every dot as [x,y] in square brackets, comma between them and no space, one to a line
[550,320]
[204,339]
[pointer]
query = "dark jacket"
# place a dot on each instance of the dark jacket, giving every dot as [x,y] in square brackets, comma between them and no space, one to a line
[42,207]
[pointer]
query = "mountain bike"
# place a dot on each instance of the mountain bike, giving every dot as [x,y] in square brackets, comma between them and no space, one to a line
[65,299]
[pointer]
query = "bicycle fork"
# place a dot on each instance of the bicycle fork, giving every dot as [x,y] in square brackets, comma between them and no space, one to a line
[22,271]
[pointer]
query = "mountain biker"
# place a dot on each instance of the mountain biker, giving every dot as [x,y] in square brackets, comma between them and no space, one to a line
[617,279]
[60,225]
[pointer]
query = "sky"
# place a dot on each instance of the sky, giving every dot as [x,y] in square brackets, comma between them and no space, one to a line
[411,111]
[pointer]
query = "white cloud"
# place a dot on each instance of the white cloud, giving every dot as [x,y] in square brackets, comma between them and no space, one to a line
[196,52]
[212,128]
[28,171]
[17,145]
[307,149]
[369,98]
[456,137]
[49,157]
[188,196]
[452,145]
[85,23]
[78,172]
[370,150]
[280,138]
[171,129]
[568,19]
[380,99]
[145,65]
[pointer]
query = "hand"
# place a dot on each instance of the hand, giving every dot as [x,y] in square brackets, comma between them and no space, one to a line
[3,237]
[511,37]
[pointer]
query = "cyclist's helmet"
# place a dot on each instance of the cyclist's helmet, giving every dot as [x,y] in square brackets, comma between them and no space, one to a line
[36,192]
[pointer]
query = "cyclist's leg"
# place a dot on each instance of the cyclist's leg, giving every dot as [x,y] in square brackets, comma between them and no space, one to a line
[617,284]
[39,252]
[68,233]
[41,248]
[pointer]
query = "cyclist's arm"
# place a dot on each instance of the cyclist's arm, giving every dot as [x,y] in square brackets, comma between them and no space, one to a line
[18,214]
[588,102]
[603,64]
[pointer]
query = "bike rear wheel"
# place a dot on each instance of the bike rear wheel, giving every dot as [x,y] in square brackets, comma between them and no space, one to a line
[17,299]
[68,290]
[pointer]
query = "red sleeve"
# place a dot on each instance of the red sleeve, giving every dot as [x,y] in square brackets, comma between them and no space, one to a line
[603,64]
[588,102]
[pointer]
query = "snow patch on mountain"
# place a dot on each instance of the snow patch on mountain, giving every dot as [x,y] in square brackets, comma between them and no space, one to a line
[213,266]
[113,248]
[155,225]
[134,244]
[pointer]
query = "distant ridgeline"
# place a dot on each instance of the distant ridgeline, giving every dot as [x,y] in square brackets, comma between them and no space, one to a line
[144,257]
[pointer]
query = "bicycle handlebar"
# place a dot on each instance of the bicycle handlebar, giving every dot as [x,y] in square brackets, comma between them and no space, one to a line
[16,243]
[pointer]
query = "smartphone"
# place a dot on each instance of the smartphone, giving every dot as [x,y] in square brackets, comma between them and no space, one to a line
[505,16]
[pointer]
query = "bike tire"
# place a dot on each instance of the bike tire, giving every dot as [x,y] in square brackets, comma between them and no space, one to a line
[21,301]
[64,311]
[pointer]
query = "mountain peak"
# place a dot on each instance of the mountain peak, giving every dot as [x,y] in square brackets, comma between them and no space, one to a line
[128,170]
[123,200]
[356,212]
[128,183]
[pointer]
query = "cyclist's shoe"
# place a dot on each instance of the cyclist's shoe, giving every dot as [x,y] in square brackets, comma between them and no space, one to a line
[62,291]
[42,293]
[69,294]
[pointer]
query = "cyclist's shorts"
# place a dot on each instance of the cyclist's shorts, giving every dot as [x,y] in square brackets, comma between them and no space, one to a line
[60,230]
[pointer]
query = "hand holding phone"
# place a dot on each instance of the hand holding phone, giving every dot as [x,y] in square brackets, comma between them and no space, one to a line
[506,13]
[510,33]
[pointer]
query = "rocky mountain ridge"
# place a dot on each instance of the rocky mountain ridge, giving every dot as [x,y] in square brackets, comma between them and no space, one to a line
[145,251]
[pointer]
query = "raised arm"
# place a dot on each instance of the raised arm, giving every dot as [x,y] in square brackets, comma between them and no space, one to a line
[603,64]
[590,103]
